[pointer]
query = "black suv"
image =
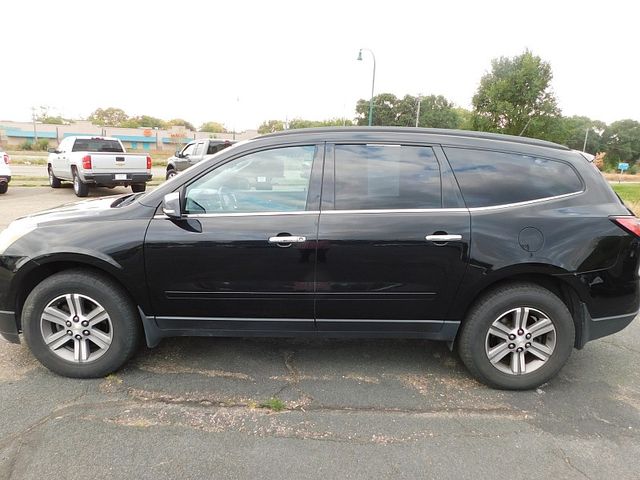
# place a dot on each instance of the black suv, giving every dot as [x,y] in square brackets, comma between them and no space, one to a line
[513,250]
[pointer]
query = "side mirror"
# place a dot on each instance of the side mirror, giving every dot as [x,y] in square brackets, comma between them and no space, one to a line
[52,150]
[171,205]
[178,154]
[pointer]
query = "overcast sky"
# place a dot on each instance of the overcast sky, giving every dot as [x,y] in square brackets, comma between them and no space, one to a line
[242,62]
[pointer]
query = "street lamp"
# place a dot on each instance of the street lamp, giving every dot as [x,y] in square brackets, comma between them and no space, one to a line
[373,81]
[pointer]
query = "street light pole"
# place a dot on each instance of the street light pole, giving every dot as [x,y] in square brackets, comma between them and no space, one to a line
[586,135]
[373,81]
[418,113]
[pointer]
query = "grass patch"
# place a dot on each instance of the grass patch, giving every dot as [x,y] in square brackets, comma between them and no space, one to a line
[274,404]
[628,192]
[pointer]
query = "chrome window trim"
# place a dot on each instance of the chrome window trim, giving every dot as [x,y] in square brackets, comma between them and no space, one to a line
[243,214]
[527,202]
[398,210]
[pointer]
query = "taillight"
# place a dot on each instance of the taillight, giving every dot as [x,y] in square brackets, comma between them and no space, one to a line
[148,162]
[630,224]
[86,162]
[6,158]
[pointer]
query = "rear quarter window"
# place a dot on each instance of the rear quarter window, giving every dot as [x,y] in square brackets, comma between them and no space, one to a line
[489,178]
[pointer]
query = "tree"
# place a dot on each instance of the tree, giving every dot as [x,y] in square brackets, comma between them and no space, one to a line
[622,142]
[516,98]
[179,122]
[385,106]
[44,116]
[108,117]
[212,127]
[571,131]
[270,126]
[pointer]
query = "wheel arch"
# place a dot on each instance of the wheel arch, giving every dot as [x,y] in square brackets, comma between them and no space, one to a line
[43,269]
[554,282]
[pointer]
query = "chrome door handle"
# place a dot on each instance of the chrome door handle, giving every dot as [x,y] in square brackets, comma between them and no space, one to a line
[443,238]
[291,239]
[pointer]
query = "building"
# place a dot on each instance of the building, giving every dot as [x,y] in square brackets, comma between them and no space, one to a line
[13,134]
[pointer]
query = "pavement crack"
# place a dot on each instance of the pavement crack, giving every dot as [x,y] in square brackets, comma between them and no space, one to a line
[567,460]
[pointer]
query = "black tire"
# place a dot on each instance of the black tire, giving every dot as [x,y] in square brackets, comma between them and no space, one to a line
[474,336]
[80,188]
[4,186]
[54,182]
[171,172]
[124,320]
[138,187]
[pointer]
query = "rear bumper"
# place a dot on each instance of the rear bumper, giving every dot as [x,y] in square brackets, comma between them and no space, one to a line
[593,328]
[110,178]
[9,327]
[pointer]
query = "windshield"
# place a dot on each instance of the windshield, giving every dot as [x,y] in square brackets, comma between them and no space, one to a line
[97,145]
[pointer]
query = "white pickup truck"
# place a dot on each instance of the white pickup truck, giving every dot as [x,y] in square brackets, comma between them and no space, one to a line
[99,161]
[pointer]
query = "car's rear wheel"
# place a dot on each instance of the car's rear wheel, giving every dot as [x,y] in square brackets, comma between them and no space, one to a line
[138,187]
[80,188]
[54,181]
[4,186]
[80,324]
[517,337]
[171,173]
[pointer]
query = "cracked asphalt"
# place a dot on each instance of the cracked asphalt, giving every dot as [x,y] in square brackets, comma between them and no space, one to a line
[192,408]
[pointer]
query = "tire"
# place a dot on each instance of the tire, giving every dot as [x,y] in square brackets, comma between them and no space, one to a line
[4,186]
[138,187]
[121,327]
[171,173]
[80,188]
[54,182]
[518,364]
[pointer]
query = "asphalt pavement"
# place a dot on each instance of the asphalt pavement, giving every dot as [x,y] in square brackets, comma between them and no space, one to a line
[204,408]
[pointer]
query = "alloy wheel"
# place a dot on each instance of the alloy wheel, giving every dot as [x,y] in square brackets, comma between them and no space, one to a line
[520,341]
[76,328]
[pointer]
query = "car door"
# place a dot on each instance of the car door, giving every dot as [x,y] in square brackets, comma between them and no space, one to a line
[197,154]
[390,257]
[182,162]
[242,257]
[59,161]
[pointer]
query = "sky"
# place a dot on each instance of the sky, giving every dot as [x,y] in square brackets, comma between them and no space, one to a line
[242,62]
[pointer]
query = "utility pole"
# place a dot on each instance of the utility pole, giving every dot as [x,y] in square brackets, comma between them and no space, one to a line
[33,118]
[418,113]
[586,136]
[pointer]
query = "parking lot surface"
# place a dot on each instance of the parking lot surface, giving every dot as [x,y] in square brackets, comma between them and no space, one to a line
[198,408]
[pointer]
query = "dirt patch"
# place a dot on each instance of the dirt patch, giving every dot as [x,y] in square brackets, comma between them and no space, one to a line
[15,361]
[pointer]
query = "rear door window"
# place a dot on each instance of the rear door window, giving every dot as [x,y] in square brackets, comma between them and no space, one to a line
[489,178]
[386,177]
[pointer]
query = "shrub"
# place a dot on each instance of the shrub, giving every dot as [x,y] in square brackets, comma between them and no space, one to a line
[41,144]
[26,145]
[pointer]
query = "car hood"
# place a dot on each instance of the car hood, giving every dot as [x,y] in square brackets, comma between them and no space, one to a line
[86,208]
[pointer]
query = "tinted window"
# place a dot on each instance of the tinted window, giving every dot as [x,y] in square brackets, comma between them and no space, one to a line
[96,145]
[386,177]
[271,180]
[492,178]
[216,147]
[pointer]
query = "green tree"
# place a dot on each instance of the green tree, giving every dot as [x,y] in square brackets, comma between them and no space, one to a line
[385,110]
[179,122]
[43,115]
[571,132]
[212,127]
[622,142]
[108,117]
[270,126]
[516,98]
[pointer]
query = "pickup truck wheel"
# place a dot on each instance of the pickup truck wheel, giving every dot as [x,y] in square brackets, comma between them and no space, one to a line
[138,187]
[54,181]
[171,173]
[80,324]
[4,186]
[79,187]
[517,337]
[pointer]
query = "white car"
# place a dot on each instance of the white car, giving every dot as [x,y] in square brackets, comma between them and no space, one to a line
[5,172]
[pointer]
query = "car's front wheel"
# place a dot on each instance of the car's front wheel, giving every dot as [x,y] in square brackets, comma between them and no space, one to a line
[4,186]
[138,187]
[80,324]
[517,337]
[54,182]
[171,172]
